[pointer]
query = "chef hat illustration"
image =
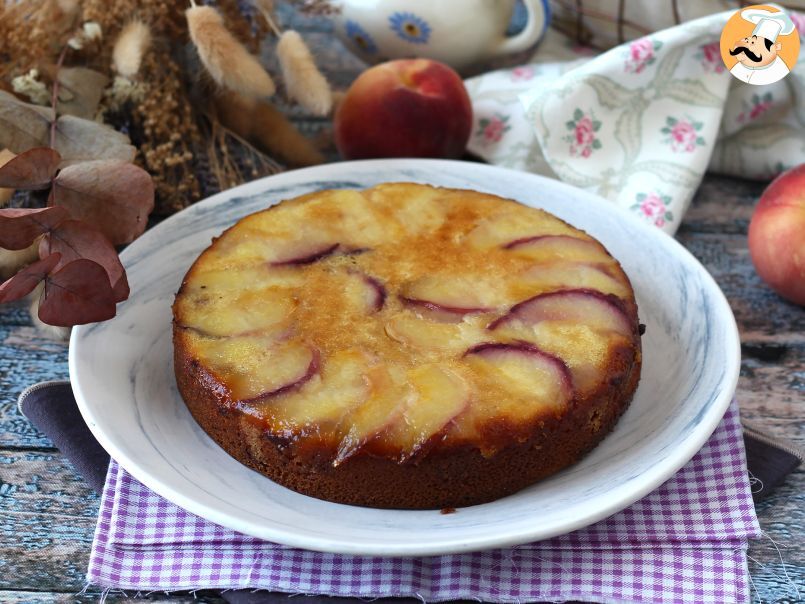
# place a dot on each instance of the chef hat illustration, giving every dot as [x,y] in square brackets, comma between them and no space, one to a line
[768,25]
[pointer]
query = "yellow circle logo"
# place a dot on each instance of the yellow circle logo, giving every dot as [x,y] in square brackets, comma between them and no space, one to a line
[760,44]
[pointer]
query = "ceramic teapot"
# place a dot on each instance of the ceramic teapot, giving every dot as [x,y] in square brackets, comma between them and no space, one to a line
[461,33]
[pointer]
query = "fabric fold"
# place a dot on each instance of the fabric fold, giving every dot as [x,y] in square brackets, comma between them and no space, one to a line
[641,123]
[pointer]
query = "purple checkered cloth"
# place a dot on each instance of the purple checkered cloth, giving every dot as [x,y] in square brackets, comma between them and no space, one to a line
[685,542]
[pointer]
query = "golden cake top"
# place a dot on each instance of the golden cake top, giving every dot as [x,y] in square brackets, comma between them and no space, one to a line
[404,316]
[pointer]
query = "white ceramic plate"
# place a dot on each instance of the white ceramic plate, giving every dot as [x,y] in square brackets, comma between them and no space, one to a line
[122,376]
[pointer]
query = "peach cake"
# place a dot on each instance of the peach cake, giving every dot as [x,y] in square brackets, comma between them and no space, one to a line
[406,346]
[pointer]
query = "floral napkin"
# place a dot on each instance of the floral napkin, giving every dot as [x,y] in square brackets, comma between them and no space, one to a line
[641,123]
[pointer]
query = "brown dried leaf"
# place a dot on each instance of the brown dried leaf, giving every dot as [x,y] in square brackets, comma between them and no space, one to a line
[20,226]
[79,140]
[80,91]
[114,196]
[74,239]
[24,282]
[33,169]
[78,293]
[22,125]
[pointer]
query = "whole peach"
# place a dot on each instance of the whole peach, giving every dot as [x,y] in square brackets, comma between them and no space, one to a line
[404,108]
[777,235]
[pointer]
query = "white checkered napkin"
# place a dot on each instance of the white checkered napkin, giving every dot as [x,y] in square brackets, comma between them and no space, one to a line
[685,542]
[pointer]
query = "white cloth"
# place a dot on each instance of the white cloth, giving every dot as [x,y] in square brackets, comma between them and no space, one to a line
[773,72]
[641,123]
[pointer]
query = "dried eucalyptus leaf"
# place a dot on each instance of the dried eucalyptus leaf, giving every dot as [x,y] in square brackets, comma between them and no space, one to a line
[24,282]
[20,226]
[74,239]
[76,294]
[6,194]
[80,91]
[33,169]
[22,125]
[79,140]
[113,196]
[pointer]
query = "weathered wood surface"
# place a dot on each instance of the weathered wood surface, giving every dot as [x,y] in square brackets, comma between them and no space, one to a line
[47,514]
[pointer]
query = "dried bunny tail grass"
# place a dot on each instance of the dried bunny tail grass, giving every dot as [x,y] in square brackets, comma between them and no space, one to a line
[130,46]
[226,59]
[54,332]
[303,80]
[265,126]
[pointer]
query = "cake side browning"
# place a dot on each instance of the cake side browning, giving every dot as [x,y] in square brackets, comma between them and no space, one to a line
[406,346]
[456,477]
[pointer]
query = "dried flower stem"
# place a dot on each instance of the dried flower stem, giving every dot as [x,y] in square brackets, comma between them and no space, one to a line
[266,127]
[54,99]
[266,9]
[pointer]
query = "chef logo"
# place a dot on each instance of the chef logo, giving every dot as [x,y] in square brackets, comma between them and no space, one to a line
[760,44]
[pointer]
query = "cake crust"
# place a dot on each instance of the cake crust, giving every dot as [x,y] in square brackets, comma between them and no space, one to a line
[455,466]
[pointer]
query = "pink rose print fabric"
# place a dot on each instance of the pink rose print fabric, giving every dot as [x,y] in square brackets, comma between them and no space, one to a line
[651,115]
[523,73]
[491,129]
[710,57]
[653,207]
[757,106]
[682,135]
[582,138]
[640,54]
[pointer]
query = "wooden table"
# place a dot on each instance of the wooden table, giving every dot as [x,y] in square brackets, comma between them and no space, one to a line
[47,514]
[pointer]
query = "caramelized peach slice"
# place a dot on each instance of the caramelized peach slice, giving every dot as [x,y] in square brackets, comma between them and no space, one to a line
[255,367]
[415,211]
[546,248]
[352,219]
[232,313]
[572,325]
[281,246]
[233,277]
[389,394]
[301,252]
[584,306]
[559,275]
[326,398]
[343,216]
[364,292]
[441,395]
[444,298]
[512,225]
[521,378]
[409,329]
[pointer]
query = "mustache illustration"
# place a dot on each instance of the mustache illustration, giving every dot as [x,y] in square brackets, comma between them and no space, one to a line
[743,49]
